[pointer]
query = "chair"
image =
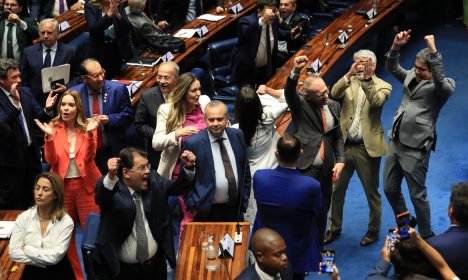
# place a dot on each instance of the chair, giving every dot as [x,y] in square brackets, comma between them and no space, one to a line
[219,68]
[88,243]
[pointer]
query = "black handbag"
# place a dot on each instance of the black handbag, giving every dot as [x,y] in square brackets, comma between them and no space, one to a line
[166,43]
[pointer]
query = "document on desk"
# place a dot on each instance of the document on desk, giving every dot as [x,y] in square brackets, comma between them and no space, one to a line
[210,17]
[6,228]
[185,33]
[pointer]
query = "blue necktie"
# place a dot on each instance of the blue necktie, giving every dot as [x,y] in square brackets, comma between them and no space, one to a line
[47,59]
[23,127]
[10,40]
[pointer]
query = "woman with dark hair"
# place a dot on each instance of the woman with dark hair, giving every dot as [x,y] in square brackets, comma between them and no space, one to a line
[109,34]
[182,116]
[70,147]
[258,125]
[41,235]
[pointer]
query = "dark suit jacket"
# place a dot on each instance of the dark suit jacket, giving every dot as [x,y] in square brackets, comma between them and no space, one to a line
[118,217]
[453,246]
[307,120]
[175,12]
[32,64]
[289,203]
[98,23]
[12,142]
[116,105]
[202,195]
[145,120]
[25,37]
[43,8]
[243,55]
[296,20]
[250,274]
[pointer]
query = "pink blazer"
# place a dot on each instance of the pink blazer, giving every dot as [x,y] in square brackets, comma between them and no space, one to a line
[57,154]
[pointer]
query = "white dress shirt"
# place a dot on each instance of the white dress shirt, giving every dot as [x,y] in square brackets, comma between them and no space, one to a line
[221,194]
[265,276]
[39,250]
[52,53]
[16,49]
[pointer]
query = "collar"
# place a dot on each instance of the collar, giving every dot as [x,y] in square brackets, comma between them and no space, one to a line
[7,92]
[214,139]
[263,275]
[53,48]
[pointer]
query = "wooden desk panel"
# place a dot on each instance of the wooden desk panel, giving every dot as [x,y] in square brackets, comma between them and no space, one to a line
[191,259]
[5,262]
[77,22]
[331,55]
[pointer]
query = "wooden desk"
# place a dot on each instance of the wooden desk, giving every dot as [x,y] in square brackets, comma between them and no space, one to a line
[193,48]
[5,262]
[77,22]
[191,260]
[332,55]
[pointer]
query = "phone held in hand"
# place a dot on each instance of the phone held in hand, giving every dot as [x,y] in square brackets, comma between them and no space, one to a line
[403,223]
[327,261]
[392,240]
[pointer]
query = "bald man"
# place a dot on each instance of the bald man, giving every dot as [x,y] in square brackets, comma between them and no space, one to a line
[269,250]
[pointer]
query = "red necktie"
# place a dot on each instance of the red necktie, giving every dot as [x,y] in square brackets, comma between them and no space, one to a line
[97,111]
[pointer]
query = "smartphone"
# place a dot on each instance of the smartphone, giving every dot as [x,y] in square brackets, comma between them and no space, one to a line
[392,239]
[53,84]
[327,260]
[403,223]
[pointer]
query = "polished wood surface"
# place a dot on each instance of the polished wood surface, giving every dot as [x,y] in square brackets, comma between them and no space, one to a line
[77,22]
[194,48]
[191,259]
[6,263]
[331,55]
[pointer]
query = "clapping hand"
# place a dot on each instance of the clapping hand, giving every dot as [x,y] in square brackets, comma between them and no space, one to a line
[44,127]
[51,99]
[93,123]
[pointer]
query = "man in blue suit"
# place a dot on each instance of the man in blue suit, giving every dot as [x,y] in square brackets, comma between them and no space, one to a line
[135,235]
[20,160]
[290,203]
[111,101]
[453,244]
[35,58]
[222,184]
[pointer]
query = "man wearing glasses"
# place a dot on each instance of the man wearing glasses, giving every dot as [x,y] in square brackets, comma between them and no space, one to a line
[413,135]
[146,113]
[111,102]
[316,122]
[16,33]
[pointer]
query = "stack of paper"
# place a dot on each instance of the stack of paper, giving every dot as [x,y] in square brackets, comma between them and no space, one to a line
[6,228]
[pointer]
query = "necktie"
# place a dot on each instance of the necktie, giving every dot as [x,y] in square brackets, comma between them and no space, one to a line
[229,173]
[61,6]
[324,122]
[142,239]
[97,111]
[23,127]
[269,59]
[354,129]
[47,59]
[198,8]
[10,40]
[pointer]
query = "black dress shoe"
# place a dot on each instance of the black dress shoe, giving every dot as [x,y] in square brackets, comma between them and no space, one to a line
[369,238]
[330,236]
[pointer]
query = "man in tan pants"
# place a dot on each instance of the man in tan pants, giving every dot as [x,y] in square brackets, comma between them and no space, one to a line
[363,95]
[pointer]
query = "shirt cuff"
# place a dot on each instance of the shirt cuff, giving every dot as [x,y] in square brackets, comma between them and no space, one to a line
[294,75]
[23,25]
[347,81]
[109,183]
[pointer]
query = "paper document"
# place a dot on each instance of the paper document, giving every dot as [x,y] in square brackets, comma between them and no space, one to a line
[6,228]
[53,74]
[210,17]
[185,33]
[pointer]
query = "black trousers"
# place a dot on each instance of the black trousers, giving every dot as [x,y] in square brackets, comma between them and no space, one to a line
[154,268]
[60,271]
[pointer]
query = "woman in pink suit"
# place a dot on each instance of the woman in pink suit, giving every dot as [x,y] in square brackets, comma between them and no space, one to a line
[70,148]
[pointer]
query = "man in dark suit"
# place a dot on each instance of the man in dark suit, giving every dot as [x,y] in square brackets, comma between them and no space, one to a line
[46,53]
[111,101]
[271,260]
[135,236]
[16,33]
[453,244]
[257,45]
[222,185]
[140,22]
[290,203]
[173,14]
[51,8]
[316,120]
[146,113]
[413,134]
[293,25]
[20,160]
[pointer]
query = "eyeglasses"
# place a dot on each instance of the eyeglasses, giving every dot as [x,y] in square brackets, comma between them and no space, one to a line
[10,5]
[142,168]
[96,75]
[161,77]
[318,94]
[420,69]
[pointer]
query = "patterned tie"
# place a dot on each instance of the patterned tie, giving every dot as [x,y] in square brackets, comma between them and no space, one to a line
[142,239]
[97,111]
[354,129]
[324,122]
[228,172]
[47,59]
[10,40]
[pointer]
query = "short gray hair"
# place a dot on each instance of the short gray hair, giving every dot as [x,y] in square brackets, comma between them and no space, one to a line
[217,103]
[136,6]
[7,64]
[424,55]
[367,54]
[174,66]
[53,21]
